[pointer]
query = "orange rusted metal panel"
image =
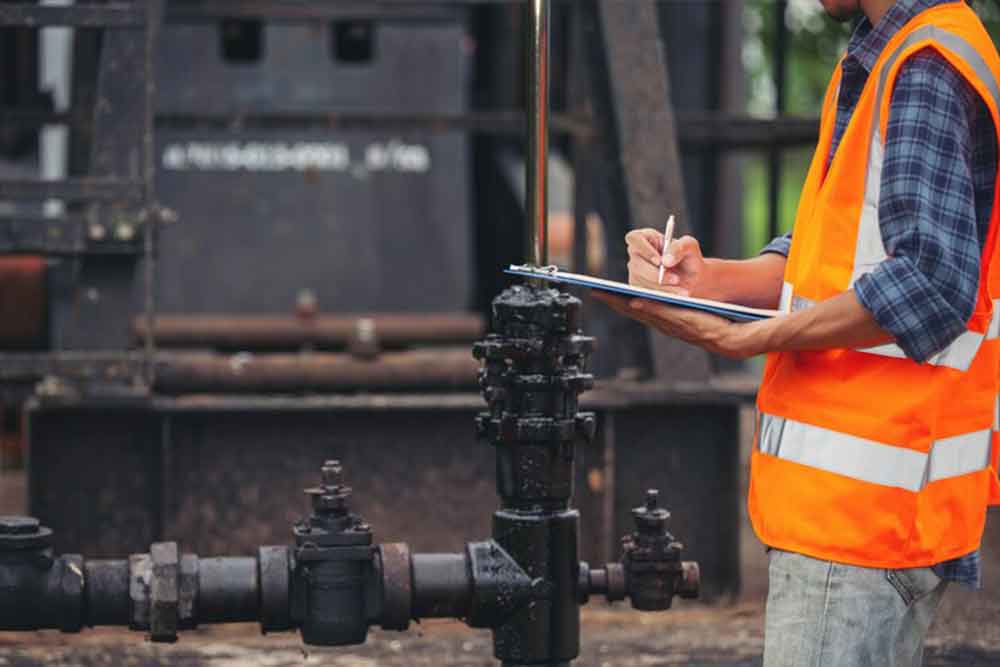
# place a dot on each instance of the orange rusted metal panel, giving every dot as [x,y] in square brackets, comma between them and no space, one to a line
[22,300]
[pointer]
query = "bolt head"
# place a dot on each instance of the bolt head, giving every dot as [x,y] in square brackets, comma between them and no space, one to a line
[97,232]
[125,232]
[652,499]
[331,472]
[18,525]
[306,303]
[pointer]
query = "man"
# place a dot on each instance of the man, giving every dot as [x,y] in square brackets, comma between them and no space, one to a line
[874,459]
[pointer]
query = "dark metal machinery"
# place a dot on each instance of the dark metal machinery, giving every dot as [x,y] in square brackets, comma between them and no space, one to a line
[525,584]
[118,461]
[335,582]
[115,465]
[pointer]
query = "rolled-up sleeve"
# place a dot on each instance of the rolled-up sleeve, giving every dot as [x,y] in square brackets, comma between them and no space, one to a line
[779,246]
[925,291]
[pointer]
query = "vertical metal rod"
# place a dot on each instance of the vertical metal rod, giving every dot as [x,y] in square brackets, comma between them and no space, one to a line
[611,543]
[152,213]
[774,157]
[537,173]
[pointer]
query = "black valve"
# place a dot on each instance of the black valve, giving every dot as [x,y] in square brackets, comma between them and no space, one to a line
[654,571]
[334,553]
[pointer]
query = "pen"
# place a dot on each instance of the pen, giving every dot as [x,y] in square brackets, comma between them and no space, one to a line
[668,238]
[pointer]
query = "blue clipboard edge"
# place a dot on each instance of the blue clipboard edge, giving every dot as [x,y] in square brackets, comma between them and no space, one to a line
[619,288]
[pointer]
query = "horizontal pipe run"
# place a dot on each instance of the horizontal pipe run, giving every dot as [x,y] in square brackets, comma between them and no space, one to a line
[245,373]
[228,590]
[442,586]
[106,591]
[598,582]
[325,331]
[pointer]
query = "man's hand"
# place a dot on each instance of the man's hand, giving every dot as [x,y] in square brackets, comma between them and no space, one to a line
[709,332]
[687,273]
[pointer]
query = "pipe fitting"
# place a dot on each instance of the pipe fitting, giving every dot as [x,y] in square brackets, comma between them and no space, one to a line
[168,592]
[484,585]
[274,572]
[164,592]
[651,560]
[334,567]
[609,582]
[395,570]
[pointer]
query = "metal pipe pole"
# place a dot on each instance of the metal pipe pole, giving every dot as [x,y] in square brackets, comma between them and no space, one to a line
[152,214]
[537,173]
[774,156]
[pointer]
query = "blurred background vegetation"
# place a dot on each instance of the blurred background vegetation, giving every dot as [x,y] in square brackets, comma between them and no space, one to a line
[814,45]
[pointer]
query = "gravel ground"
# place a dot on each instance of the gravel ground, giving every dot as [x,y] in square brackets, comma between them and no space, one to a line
[693,635]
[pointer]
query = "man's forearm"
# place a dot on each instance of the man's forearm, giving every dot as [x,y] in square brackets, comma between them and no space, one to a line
[839,322]
[752,282]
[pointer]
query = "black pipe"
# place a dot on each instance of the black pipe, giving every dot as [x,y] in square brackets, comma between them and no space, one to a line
[106,596]
[534,425]
[228,590]
[545,546]
[442,586]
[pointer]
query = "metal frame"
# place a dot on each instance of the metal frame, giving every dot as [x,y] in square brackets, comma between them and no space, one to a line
[615,102]
[112,15]
[144,15]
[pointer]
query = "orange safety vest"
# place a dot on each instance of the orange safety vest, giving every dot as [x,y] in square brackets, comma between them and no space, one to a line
[864,456]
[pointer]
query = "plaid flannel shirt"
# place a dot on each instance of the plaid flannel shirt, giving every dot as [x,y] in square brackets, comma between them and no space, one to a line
[935,205]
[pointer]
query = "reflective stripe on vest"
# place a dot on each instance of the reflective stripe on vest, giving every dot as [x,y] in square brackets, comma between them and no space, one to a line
[870,249]
[869,460]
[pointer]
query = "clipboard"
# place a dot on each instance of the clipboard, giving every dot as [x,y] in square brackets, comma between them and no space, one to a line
[730,311]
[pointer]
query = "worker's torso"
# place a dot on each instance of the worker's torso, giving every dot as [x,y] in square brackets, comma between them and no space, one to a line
[864,456]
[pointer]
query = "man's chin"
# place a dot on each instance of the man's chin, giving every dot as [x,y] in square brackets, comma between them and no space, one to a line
[841,14]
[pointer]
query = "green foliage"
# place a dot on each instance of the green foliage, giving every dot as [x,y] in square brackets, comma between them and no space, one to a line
[814,45]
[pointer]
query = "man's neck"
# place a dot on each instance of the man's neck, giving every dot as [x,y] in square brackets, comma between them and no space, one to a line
[875,9]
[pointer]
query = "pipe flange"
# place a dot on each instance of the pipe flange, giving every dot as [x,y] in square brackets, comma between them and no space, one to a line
[397,586]
[274,571]
[689,586]
[617,584]
[164,594]
[583,584]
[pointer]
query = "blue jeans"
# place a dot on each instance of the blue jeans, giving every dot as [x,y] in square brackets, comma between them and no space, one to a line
[823,614]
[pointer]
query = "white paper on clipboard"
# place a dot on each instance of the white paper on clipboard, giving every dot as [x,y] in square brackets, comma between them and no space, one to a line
[731,311]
